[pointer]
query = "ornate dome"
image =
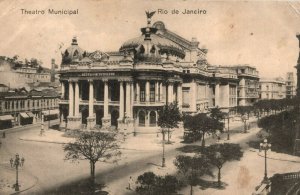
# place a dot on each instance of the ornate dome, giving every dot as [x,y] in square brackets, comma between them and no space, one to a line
[73,53]
[150,45]
[164,45]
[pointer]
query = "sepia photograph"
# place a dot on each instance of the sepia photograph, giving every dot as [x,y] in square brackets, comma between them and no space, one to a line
[140,97]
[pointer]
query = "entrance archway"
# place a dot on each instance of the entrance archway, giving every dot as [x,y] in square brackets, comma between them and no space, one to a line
[142,117]
[152,119]
[114,118]
[99,116]
[85,114]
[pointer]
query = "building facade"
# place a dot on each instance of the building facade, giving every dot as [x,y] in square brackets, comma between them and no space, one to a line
[248,88]
[272,88]
[21,107]
[290,85]
[125,89]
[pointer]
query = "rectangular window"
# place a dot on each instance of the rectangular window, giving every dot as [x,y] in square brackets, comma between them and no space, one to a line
[152,92]
[142,93]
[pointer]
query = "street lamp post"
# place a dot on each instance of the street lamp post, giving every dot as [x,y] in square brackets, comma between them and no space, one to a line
[265,146]
[228,119]
[163,131]
[42,126]
[16,163]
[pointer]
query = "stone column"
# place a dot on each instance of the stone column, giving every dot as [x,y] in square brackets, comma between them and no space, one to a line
[76,105]
[226,96]
[26,105]
[170,93]
[132,99]
[128,100]
[121,102]
[74,118]
[242,94]
[217,94]
[147,91]
[236,95]
[91,120]
[161,92]
[137,92]
[91,98]
[156,92]
[193,94]
[179,95]
[62,90]
[121,106]
[106,118]
[71,104]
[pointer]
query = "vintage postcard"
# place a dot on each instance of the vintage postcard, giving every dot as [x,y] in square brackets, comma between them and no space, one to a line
[145,97]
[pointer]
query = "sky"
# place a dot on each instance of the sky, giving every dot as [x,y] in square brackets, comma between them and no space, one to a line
[261,34]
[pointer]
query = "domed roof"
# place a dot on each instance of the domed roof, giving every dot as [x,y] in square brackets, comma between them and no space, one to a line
[73,53]
[165,45]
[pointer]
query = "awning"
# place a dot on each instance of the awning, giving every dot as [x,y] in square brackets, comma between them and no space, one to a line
[51,112]
[24,115]
[30,114]
[6,118]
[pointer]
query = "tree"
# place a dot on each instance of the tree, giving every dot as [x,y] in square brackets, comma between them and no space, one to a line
[217,114]
[151,184]
[282,130]
[168,118]
[93,146]
[192,168]
[147,182]
[203,124]
[221,153]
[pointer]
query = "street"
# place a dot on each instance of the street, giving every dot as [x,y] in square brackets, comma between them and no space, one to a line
[47,172]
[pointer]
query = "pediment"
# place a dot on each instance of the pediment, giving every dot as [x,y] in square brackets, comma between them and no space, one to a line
[98,56]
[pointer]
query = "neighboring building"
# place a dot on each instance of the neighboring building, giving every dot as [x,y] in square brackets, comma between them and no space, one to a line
[290,85]
[21,75]
[248,84]
[272,88]
[126,88]
[31,75]
[4,88]
[21,107]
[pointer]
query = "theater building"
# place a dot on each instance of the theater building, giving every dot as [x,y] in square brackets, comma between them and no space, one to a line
[126,88]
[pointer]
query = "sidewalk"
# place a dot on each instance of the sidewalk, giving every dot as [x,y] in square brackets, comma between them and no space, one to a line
[49,136]
[118,186]
[8,179]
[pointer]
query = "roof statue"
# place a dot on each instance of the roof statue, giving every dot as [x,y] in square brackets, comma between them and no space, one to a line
[150,14]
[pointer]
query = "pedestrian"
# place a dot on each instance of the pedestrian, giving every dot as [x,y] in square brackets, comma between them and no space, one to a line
[0,144]
[218,135]
[130,183]
[3,134]
[11,162]
[22,161]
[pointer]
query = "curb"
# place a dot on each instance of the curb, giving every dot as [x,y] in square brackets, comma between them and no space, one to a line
[28,188]
[293,161]
[51,142]
[15,129]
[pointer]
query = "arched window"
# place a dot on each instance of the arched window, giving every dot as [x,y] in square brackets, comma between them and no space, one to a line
[75,53]
[152,119]
[142,118]
[66,53]
[152,51]
[142,49]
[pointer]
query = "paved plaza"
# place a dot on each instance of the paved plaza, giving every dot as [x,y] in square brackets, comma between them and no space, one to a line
[46,171]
